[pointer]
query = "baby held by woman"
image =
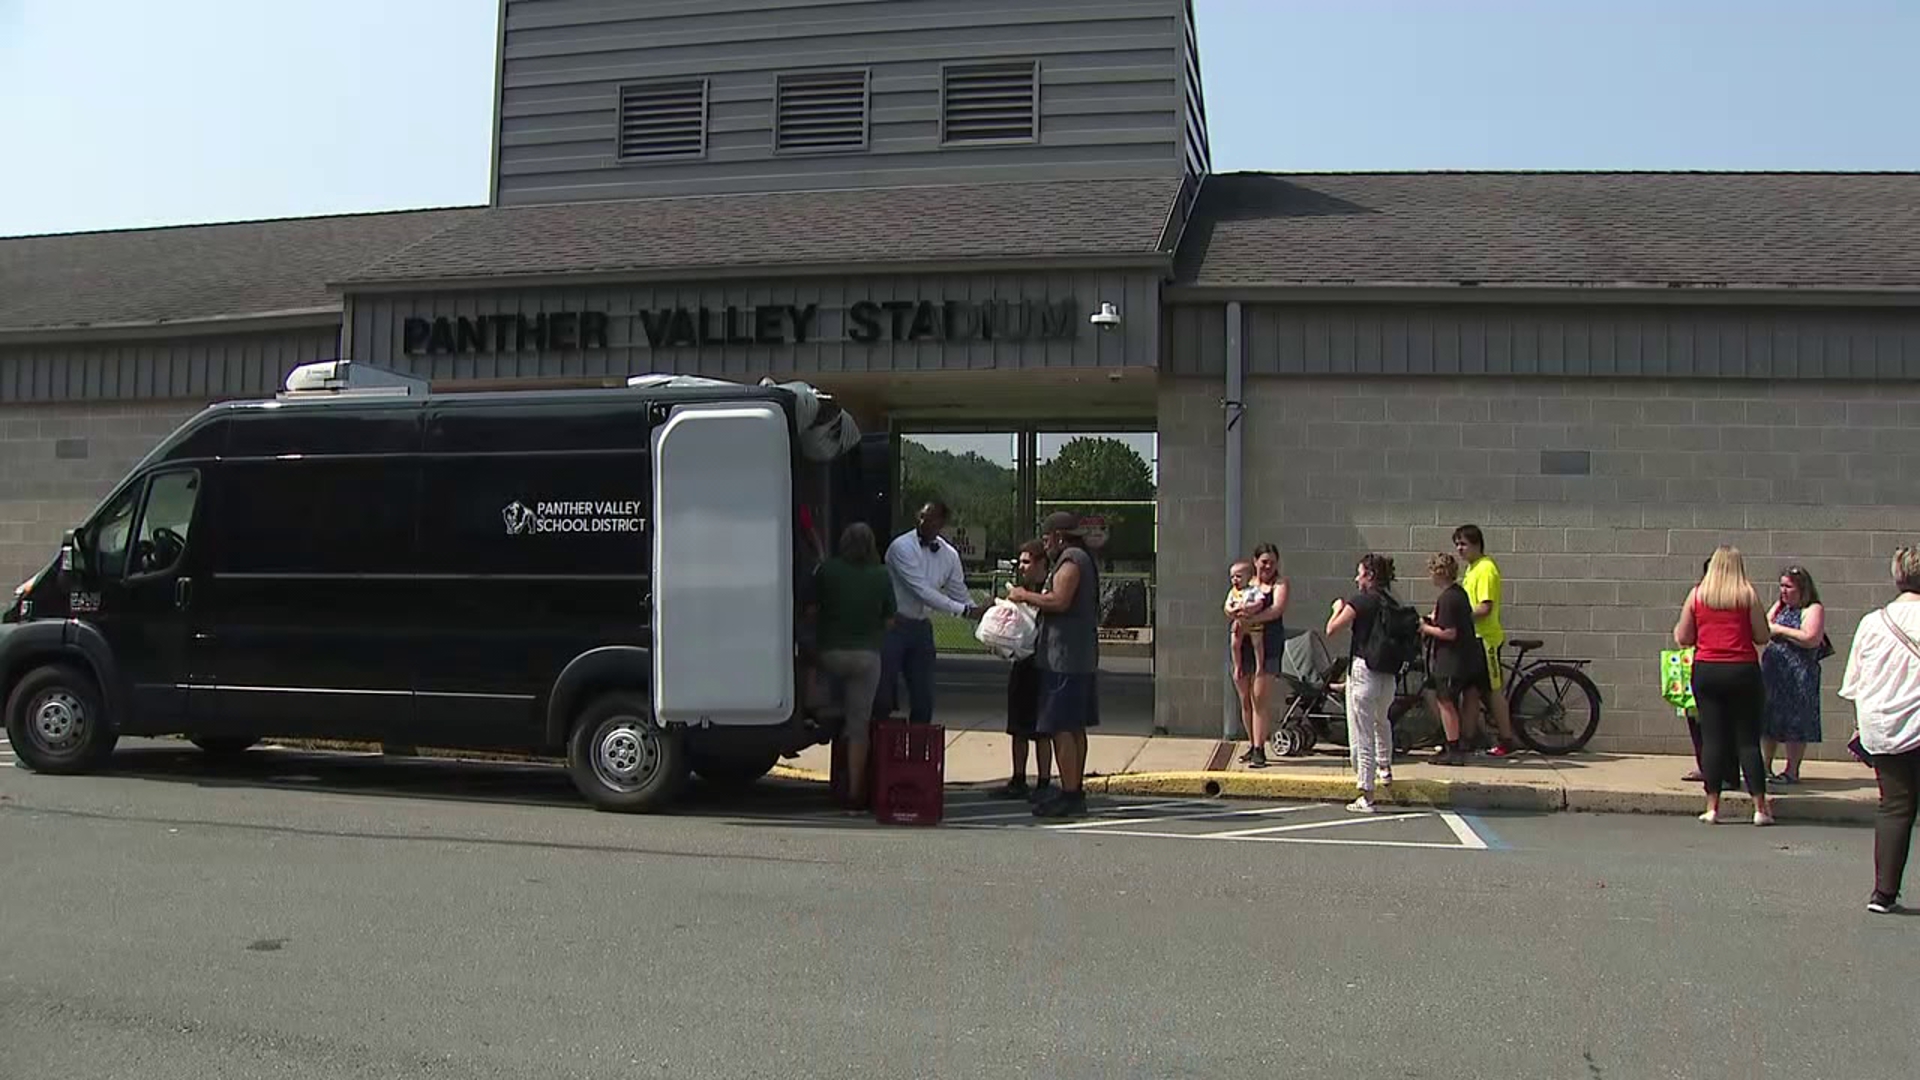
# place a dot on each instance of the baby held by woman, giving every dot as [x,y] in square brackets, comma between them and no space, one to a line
[1245,599]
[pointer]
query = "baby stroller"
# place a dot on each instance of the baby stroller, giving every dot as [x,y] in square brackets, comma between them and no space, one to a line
[1316,708]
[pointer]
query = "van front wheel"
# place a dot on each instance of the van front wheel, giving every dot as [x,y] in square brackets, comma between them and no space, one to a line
[622,760]
[57,723]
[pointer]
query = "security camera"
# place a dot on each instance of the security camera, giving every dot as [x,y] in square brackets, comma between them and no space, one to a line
[1107,318]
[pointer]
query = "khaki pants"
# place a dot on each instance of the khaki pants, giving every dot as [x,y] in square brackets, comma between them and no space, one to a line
[855,675]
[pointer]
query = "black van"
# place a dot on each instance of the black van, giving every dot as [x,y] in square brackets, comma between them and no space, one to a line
[609,573]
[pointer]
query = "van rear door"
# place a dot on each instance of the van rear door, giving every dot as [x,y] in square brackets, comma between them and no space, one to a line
[723,649]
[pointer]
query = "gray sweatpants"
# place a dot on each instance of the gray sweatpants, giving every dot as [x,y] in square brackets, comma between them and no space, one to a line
[1369,735]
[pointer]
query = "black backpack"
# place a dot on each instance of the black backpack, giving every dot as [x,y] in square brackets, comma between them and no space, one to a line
[1393,641]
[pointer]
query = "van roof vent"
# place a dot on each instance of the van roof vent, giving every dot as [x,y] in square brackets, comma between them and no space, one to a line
[341,378]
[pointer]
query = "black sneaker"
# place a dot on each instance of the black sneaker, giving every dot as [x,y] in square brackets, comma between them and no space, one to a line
[1248,756]
[1042,792]
[1012,789]
[1067,804]
[1883,905]
[1258,760]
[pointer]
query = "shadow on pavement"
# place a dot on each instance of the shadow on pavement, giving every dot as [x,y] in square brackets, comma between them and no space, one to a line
[436,779]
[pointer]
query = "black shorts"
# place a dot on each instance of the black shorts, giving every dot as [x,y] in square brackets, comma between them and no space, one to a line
[1068,702]
[1023,698]
[1272,642]
[1451,688]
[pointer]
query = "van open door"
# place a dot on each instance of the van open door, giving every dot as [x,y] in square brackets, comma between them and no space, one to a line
[723,588]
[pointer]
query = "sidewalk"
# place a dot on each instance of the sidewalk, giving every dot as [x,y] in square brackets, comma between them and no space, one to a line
[1599,783]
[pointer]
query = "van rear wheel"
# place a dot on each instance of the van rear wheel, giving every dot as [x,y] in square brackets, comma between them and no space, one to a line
[223,745]
[57,722]
[621,759]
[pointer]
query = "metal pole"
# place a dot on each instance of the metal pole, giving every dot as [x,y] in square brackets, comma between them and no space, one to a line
[1232,409]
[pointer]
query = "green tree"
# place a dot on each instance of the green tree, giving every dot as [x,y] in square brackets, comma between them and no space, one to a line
[1095,467]
[981,493]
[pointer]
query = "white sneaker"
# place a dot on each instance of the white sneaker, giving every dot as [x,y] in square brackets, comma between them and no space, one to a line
[1711,817]
[1382,777]
[1761,817]
[1361,805]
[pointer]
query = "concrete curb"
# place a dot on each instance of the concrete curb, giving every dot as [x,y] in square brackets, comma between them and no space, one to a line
[1445,794]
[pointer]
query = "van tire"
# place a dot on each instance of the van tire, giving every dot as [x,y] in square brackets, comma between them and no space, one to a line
[734,771]
[223,745]
[58,723]
[622,760]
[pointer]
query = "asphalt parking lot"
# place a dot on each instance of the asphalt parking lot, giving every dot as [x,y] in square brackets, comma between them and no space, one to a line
[316,915]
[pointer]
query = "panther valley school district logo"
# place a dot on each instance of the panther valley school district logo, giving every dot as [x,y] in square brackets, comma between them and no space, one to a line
[519,519]
[574,516]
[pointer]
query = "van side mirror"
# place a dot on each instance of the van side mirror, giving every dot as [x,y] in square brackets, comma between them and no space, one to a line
[73,554]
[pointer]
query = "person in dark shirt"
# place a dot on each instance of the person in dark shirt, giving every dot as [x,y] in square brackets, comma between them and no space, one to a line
[1023,698]
[1068,655]
[1369,693]
[1457,670]
[854,606]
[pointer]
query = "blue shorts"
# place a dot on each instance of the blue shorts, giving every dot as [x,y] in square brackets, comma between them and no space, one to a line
[1068,702]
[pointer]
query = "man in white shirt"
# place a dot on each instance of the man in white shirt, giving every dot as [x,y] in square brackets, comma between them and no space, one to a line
[927,579]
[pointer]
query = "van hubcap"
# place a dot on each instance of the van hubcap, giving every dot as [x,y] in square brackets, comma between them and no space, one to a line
[626,752]
[59,720]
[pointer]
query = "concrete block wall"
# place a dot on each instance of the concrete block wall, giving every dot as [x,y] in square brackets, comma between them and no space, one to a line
[1189,647]
[1822,474]
[58,461]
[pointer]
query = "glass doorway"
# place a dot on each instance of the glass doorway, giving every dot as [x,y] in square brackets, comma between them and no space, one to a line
[999,481]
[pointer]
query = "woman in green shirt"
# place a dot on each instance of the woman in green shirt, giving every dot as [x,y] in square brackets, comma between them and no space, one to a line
[854,604]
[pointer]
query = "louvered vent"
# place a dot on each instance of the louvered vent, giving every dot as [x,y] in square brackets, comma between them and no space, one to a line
[663,120]
[821,112]
[990,102]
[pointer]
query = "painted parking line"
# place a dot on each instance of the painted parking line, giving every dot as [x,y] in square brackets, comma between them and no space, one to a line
[1210,816]
[1212,819]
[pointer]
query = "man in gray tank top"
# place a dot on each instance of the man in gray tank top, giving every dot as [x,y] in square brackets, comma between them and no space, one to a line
[1068,655]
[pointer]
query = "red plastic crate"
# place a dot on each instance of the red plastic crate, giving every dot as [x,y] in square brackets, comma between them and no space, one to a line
[909,783]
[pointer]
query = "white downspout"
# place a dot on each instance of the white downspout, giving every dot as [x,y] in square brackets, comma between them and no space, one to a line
[1233,408]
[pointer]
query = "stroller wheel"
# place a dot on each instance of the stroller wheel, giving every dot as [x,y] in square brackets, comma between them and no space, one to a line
[1291,740]
[1281,742]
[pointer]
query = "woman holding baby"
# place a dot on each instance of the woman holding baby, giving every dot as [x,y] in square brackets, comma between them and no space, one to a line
[1256,604]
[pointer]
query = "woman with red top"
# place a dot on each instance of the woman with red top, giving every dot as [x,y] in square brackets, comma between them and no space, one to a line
[1724,622]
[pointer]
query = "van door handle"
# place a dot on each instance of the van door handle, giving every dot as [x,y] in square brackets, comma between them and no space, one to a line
[183,593]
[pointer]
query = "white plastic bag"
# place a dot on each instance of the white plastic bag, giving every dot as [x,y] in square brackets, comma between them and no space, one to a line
[1009,630]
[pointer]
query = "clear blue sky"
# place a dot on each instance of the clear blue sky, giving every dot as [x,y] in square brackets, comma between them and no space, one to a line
[117,113]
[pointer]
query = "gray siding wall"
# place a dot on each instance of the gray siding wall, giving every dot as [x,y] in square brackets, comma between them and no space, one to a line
[378,323]
[1581,341]
[1195,147]
[1111,98]
[201,367]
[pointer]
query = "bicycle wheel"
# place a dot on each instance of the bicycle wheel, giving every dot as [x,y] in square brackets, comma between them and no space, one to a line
[1556,708]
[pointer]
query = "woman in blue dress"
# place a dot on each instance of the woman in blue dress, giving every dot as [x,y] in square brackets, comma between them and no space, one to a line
[1791,668]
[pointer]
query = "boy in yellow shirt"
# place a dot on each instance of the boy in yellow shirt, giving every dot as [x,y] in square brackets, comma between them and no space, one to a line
[1482,582]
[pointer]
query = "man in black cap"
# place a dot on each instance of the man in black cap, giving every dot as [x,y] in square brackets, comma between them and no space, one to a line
[1068,655]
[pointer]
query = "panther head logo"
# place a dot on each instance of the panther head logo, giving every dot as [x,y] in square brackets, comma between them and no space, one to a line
[519,519]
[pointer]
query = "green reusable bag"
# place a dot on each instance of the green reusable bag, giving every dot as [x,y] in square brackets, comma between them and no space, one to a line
[1676,678]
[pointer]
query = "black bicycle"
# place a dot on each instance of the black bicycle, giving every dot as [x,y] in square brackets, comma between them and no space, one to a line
[1555,706]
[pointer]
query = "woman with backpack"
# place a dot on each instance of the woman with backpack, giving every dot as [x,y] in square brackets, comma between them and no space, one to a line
[1384,640]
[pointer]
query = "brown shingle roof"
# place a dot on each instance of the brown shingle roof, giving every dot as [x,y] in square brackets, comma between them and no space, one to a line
[197,271]
[878,225]
[1831,230]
